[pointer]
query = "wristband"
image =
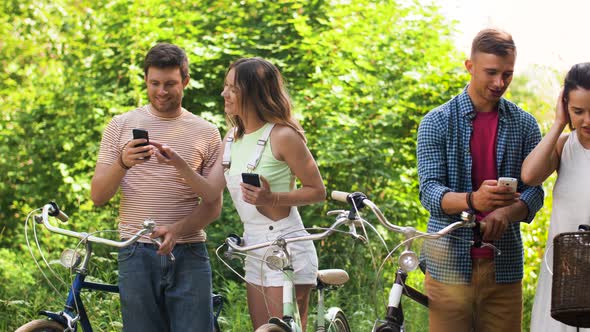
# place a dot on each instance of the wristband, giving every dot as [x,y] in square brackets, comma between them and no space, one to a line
[121,163]
[470,202]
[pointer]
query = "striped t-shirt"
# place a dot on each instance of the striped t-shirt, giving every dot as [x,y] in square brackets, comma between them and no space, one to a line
[154,190]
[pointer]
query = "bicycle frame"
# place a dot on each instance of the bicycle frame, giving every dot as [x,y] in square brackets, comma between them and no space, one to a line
[290,309]
[74,311]
[74,303]
[291,320]
[291,315]
[394,318]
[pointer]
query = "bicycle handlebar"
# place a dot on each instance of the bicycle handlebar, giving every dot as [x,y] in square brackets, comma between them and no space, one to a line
[233,241]
[360,200]
[51,209]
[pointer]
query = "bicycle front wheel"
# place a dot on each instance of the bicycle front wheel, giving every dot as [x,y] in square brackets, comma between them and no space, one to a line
[270,328]
[41,325]
[338,323]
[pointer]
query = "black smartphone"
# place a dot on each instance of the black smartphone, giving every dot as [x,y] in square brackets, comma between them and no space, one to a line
[141,133]
[251,179]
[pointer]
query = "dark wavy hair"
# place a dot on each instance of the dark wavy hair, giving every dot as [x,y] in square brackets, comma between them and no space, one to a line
[577,77]
[260,87]
[164,55]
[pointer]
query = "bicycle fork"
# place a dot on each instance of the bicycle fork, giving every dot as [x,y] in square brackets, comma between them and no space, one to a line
[394,320]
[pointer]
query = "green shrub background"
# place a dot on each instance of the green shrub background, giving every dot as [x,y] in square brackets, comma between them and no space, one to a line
[361,74]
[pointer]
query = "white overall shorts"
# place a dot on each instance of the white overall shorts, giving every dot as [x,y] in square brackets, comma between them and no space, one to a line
[258,228]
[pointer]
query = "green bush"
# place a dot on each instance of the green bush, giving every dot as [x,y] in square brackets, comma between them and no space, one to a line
[361,74]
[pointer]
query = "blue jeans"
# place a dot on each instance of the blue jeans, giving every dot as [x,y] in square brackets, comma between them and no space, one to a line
[161,295]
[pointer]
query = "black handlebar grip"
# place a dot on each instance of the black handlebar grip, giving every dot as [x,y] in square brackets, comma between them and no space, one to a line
[237,239]
[57,213]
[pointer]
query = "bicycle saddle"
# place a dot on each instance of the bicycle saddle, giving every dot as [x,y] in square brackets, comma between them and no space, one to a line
[332,277]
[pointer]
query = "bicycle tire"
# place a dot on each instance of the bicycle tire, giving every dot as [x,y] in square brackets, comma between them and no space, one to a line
[339,323]
[41,325]
[270,328]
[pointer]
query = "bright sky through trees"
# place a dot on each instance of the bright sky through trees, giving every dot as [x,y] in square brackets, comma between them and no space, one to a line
[546,32]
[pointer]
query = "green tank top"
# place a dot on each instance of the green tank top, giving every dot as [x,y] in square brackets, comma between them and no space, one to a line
[276,172]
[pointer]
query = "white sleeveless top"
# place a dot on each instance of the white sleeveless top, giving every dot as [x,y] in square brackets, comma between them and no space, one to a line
[571,207]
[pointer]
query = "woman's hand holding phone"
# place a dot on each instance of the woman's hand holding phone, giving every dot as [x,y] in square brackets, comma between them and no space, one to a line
[253,194]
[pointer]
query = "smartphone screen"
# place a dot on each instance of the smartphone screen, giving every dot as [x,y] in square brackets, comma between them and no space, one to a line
[251,179]
[141,133]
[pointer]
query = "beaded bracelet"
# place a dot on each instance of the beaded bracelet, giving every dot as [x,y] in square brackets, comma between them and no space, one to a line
[276,199]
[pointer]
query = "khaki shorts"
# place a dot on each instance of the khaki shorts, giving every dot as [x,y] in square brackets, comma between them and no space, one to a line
[482,305]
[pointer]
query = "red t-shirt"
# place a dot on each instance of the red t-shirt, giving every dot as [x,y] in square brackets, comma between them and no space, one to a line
[483,156]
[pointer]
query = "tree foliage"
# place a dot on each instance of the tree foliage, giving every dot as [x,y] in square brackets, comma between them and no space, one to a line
[361,74]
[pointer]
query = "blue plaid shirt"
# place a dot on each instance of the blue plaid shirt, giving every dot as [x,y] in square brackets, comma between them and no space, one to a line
[444,165]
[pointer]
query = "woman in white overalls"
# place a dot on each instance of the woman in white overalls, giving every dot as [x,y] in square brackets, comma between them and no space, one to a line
[265,140]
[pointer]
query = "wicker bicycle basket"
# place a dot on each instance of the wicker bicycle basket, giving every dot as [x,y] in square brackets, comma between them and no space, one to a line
[570,297]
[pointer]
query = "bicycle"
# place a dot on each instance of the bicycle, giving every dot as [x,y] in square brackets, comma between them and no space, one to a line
[74,313]
[408,260]
[332,319]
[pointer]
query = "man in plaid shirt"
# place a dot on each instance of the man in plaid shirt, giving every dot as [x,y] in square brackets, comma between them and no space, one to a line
[464,146]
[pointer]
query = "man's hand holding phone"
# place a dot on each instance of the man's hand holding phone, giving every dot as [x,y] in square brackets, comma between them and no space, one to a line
[137,150]
[491,195]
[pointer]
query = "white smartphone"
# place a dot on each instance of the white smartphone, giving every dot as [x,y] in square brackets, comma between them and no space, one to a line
[511,183]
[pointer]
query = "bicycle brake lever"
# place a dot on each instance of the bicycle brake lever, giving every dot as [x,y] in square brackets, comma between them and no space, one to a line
[489,245]
[159,243]
[359,237]
[333,212]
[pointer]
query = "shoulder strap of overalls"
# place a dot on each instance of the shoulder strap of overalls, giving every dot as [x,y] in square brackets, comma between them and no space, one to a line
[260,148]
[226,162]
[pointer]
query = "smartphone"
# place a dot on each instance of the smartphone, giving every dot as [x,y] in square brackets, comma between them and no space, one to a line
[251,179]
[511,183]
[141,133]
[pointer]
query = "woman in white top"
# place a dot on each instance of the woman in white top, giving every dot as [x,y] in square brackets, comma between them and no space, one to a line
[569,155]
[266,140]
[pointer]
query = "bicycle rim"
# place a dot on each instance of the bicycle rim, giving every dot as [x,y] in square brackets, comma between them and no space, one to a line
[270,328]
[41,325]
[339,323]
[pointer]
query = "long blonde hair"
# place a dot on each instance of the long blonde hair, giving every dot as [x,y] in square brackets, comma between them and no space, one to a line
[260,85]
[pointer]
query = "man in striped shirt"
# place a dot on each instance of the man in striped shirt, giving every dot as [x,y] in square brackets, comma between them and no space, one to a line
[464,146]
[157,293]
